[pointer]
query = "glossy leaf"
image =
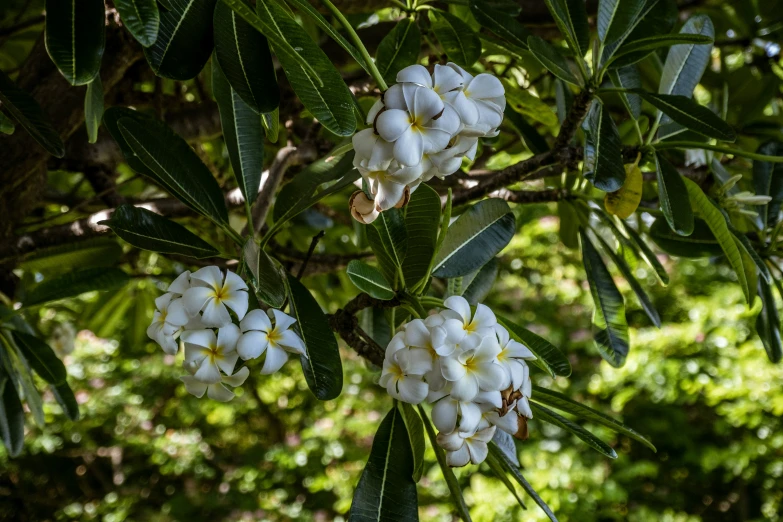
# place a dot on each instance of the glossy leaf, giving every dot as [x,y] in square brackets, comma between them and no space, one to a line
[268,277]
[415,429]
[75,283]
[685,64]
[549,357]
[245,60]
[624,202]
[321,365]
[768,323]
[610,329]
[75,37]
[22,377]
[184,41]
[690,114]
[768,181]
[533,140]
[673,197]
[603,159]
[326,97]
[369,280]
[476,237]
[458,40]
[499,470]
[571,18]
[750,254]
[271,123]
[476,286]
[644,251]
[500,23]
[11,417]
[655,17]
[615,17]
[638,50]
[93,108]
[628,78]
[242,132]
[26,112]
[700,243]
[141,18]
[398,49]
[551,59]
[40,357]
[393,236]
[528,105]
[547,415]
[386,490]
[99,251]
[170,161]
[149,231]
[422,220]
[67,401]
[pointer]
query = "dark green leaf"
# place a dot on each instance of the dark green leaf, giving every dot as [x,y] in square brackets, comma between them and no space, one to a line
[610,329]
[638,50]
[476,286]
[628,78]
[22,377]
[571,18]
[459,41]
[75,283]
[534,141]
[747,248]
[385,262]
[700,243]
[690,114]
[25,110]
[149,231]
[369,280]
[321,365]
[603,158]
[6,124]
[656,17]
[67,401]
[386,490]
[476,237]
[547,415]
[242,132]
[184,41]
[326,97]
[673,197]
[415,429]
[75,37]
[549,357]
[171,162]
[11,417]
[142,19]
[686,63]
[393,236]
[500,23]
[99,251]
[40,357]
[615,17]
[422,220]
[551,59]
[398,49]
[110,118]
[646,253]
[93,108]
[497,467]
[561,402]
[271,123]
[268,277]
[244,57]
[768,181]
[768,323]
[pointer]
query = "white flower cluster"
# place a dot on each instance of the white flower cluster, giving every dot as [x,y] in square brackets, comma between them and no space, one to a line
[469,368]
[195,310]
[422,127]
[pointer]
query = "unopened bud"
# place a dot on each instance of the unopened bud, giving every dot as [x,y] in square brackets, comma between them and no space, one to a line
[362,208]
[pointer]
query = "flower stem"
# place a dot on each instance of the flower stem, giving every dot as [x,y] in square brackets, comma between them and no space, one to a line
[376,74]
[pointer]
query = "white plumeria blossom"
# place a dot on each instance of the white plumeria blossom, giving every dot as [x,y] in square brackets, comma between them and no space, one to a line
[216,391]
[470,369]
[212,294]
[259,336]
[423,127]
[206,354]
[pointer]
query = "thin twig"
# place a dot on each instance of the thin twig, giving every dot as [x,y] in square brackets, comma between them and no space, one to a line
[313,244]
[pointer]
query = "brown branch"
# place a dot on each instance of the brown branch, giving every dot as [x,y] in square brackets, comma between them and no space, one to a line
[346,325]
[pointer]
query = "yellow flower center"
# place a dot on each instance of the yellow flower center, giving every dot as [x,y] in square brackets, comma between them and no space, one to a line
[471,327]
[396,371]
[214,352]
[471,365]
[274,335]
[163,315]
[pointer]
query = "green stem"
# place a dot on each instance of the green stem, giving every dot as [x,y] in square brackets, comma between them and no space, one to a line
[248,215]
[432,302]
[233,234]
[717,148]
[358,43]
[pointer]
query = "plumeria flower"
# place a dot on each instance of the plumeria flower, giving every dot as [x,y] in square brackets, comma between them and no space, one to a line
[180,285]
[389,183]
[480,103]
[475,326]
[260,336]
[490,416]
[363,208]
[512,357]
[207,354]
[449,160]
[212,293]
[371,149]
[404,370]
[446,410]
[216,391]
[473,370]
[463,448]
[170,315]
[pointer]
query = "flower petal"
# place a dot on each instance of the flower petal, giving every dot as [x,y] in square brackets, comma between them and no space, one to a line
[291,342]
[227,338]
[275,359]
[452,369]
[210,276]
[394,98]
[466,109]
[238,379]
[252,344]
[434,140]
[484,318]
[199,339]
[450,441]
[218,392]
[415,74]
[180,285]
[176,314]
[426,104]
[195,298]
[459,458]
[207,372]
[446,79]
[490,376]
[227,362]
[215,314]
[371,114]
[416,361]
[444,415]
[388,195]
[460,305]
[409,148]
[478,450]
[392,123]
[411,390]
[256,320]
[471,416]
[162,301]
[465,389]
[194,386]
[449,121]
[484,86]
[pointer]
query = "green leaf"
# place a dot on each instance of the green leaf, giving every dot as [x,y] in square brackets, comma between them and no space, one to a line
[549,357]
[110,118]
[547,415]
[422,220]
[515,472]
[476,286]
[690,114]
[533,140]
[500,23]
[149,231]
[638,50]
[603,157]
[499,470]
[644,251]
[271,123]
[325,96]
[528,105]
[700,243]
[571,18]
[628,78]
[75,283]
[242,132]
[170,161]
[386,490]
[751,257]
[415,429]
[6,124]
[768,181]
[26,112]
[141,18]
[610,329]
[768,323]
[322,367]
[615,17]
[369,280]
[75,37]
[93,108]
[673,197]
[99,251]
[476,237]
[40,357]
[244,57]
[184,41]
[11,417]
[67,401]
[268,277]
[21,376]
[390,228]
[398,49]
[551,59]
[561,402]
[569,224]
[458,40]
[656,17]
[716,221]
[685,64]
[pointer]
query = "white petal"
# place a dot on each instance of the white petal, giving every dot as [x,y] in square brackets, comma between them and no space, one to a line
[394,98]
[409,147]
[198,338]
[252,344]
[411,390]
[162,301]
[434,140]
[490,376]
[291,342]
[388,195]
[455,330]
[484,435]
[396,344]
[195,298]
[503,335]
[209,276]
[523,407]
[478,451]
[207,372]
[416,361]
[194,386]
[176,313]
[460,305]
[444,415]
[426,105]
[465,389]
[489,348]
[459,458]
[489,398]
[450,441]
[415,74]
[484,86]
[508,423]
[466,109]
[449,121]
[275,359]
[215,314]
[446,79]
[283,321]
[452,369]
[256,320]
[227,362]
[238,379]
[237,300]
[180,285]
[466,76]
[227,338]
[168,343]
[371,114]
[471,416]
[392,123]
[218,392]
[484,318]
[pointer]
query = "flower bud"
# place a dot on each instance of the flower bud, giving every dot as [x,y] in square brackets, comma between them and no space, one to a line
[363,208]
